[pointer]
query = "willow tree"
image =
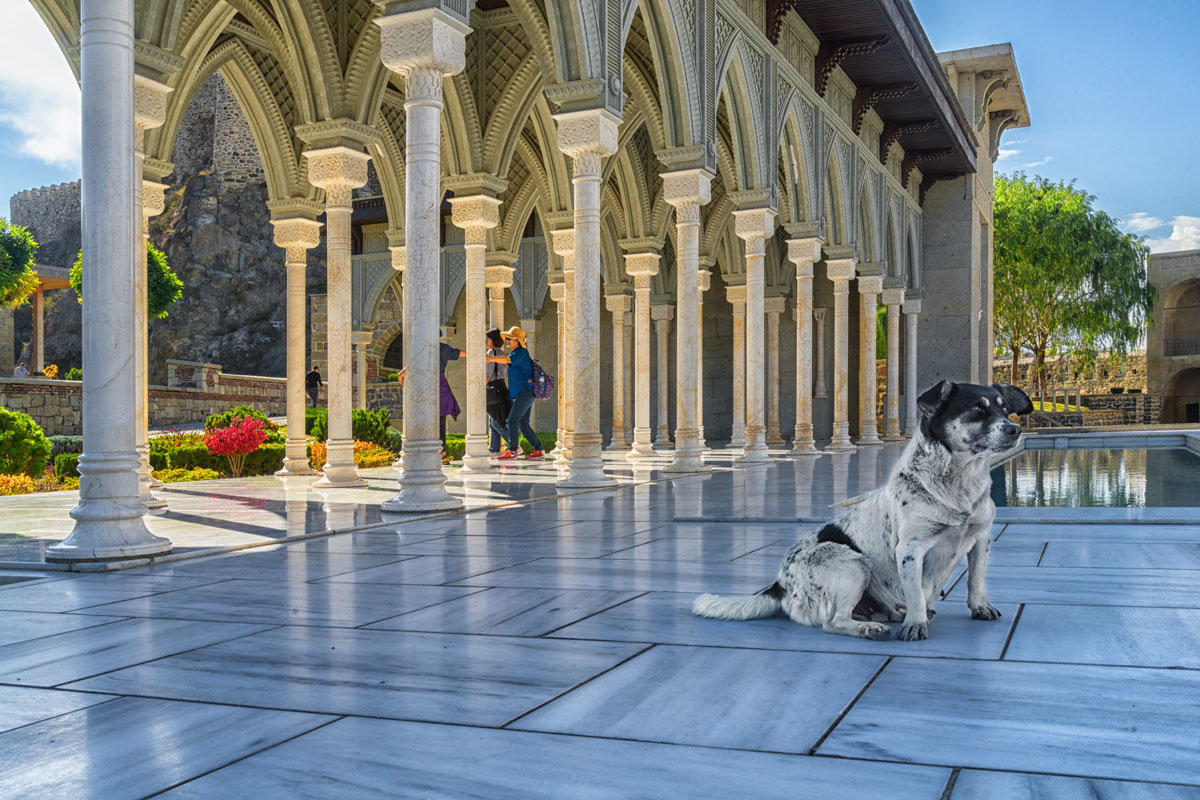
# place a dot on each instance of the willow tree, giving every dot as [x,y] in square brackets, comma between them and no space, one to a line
[1066,278]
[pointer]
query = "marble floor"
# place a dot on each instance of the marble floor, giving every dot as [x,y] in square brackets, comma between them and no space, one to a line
[541,646]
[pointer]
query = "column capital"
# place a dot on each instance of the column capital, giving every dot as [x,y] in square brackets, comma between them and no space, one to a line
[688,187]
[149,102]
[641,265]
[498,277]
[736,294]
[562,242]
[704,280]
[892,297]
[329,134]
[912,306]
[399,257]
[337,170]
[155,169]
[557,292]
[153,198]
[774,305]
[804,251]
[428,38]
[472,183]
[617,303]
[296,232]
[662,313]
[754,223]
[870,284]
[819,314]
[475,214]
[592,132]
[360,338]
[644,244]
[840,269]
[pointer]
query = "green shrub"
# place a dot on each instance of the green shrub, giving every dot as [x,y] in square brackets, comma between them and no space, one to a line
[395,440]
[1133,391]
[163,286]
[24,449]
[66,465]
[74,374]
[366,426]
[393,377]
[65,444]
[186,454]
[276,434]
[1117,390]
[179,475]
[316,421]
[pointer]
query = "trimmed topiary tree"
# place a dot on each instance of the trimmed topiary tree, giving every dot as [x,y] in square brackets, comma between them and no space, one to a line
[163,286]
[18,279]
[24,449]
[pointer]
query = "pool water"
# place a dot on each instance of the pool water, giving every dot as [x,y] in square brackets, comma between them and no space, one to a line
[1162,477]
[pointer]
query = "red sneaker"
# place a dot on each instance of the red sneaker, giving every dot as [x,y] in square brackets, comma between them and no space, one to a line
[507,454]
[536,454]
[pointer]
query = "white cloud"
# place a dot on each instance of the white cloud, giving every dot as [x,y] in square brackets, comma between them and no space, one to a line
[1004,153]
[39,98]
[1045,160]
[1015,141]
[1140,222]
[1185,235]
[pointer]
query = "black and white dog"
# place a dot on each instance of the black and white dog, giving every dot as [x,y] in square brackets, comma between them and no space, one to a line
[888,557]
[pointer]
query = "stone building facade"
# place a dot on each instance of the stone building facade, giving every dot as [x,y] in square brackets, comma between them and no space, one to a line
[1173,338]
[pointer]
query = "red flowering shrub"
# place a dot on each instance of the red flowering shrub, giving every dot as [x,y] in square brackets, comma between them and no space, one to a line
[240,439]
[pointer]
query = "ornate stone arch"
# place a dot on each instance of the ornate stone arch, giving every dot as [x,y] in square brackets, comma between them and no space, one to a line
[506,123]
[462,135]
[743,124]
[794,158]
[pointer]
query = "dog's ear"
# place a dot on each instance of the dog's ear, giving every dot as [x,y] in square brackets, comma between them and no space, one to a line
[932,399]
[1018,401]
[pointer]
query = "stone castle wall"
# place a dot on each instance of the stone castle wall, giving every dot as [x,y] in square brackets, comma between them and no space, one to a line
[52,215]
[216,136]
[1064,373]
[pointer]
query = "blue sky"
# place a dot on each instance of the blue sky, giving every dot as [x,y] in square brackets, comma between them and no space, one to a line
[1112,93]
[1111,88]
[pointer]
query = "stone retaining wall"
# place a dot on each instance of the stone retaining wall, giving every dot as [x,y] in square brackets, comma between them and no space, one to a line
[57,405]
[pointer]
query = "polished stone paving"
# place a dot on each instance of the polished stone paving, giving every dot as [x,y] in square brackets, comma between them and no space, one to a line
[547,649]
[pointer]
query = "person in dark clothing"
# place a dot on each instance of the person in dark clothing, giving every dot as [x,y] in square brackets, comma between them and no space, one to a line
[313,384]
[520,389]
[498,401]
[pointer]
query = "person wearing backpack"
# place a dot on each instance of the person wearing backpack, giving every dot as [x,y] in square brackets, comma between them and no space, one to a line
[499,403]
[520,389]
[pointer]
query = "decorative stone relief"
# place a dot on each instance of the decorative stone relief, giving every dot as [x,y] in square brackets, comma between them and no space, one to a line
[429,38]
[582,133]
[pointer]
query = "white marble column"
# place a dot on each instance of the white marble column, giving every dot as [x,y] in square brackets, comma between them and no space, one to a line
[399,261]
[687,191]
[629,373]
[110,517]
[736,295]
[476,214]
[912,315]
[339,170]
[296,236]
[703,284]
[641,267]
[662,316]
[424,46]
[803,253]
[562,242]
[869,288]
[360,340]
[558,295]
[618,305]
[893,298]
[754,226]
[841,272]
[587,137]
[149,111]
[773,306]
[822,382]
[497,279]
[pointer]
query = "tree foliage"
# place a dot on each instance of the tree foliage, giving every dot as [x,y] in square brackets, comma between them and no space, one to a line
[18,276]
[1066,278]
[24,449]
[163,286]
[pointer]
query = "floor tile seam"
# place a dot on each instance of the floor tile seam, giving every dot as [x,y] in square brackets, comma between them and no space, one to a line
[366,625]
[495,569]
[951,780]
[1080,567]
[757,550]
[140,596]
[400,560]
[1012,630]
[578,685]
[853,701]
[244,757]
[73,630]
[264,629]
[109,698]
[589,616]
[1042,553]
[609,555]
[1164,668]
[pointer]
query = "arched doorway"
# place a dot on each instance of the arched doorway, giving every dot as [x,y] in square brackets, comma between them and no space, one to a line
[1181,318]
[393,358]
[1181,401]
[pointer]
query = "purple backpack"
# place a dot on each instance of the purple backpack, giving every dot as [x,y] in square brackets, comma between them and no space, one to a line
[543,384]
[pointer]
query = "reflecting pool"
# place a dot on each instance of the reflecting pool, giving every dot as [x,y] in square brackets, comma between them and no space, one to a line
[1161,477]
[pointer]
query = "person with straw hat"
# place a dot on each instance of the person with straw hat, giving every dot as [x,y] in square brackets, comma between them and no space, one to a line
[520,389]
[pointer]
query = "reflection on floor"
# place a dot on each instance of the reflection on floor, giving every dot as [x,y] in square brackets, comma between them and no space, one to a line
[546,649]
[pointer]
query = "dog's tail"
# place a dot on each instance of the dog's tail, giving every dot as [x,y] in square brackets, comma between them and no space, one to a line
[764,604]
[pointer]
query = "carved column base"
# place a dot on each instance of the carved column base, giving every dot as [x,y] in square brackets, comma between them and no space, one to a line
[476,457]
[423,491]
[803,445]
[146,481]
[586,473]
[339,471]
[642,446]
[840,443]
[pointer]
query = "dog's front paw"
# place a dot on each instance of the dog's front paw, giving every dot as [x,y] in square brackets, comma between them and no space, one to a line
[913,631]
[985,610]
